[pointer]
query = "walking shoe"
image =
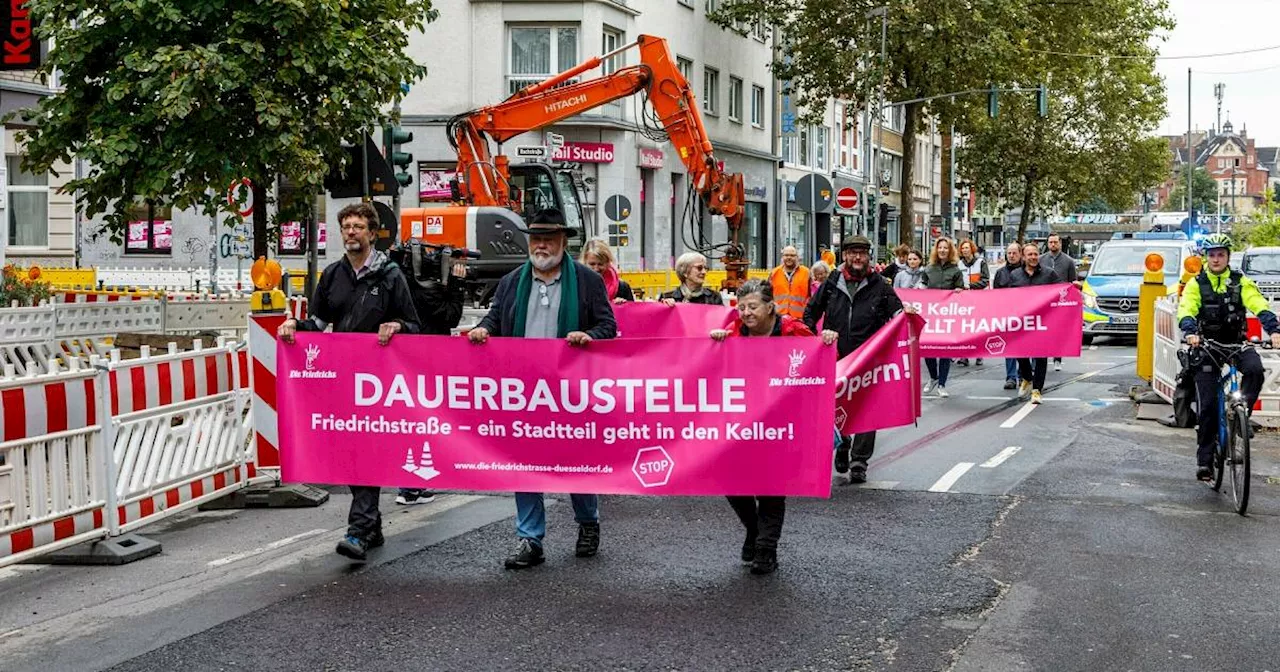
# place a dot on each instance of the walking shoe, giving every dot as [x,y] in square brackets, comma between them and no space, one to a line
[410,497]
[858,473]
[1010,384]
[962,362]
[588,540]
[928,388]
[749,549]
[842,455]
[1024,388]
[1035,396]
[528,554]
[1057,365]
[765,561]
[354,548]
[977,362]
[375,540]
[1204,474]
[942,391]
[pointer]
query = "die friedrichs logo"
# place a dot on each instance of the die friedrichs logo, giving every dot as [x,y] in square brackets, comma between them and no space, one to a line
[1062,294]
[313,353]
[795,359]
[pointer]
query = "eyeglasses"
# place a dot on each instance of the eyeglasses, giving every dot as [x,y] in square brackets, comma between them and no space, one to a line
[545,300]
[354,227]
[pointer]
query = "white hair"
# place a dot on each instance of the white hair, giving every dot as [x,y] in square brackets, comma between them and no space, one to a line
[685,261]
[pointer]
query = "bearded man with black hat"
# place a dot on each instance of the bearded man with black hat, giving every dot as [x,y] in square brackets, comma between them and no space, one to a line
[550,296]
[853,303]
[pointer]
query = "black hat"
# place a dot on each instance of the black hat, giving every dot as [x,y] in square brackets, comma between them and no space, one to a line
[548,220]
[855,242]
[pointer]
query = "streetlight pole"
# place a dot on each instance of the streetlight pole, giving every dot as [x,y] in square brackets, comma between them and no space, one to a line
[877,147]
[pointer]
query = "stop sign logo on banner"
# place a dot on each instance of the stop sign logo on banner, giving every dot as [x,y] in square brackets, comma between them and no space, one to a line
[847,198]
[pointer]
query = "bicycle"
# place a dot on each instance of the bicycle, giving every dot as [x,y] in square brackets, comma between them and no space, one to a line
[1233,421]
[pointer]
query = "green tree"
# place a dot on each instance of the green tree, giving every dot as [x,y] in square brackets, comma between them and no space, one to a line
[1092,206]
[831,48]
[172,100]
[1096,141]
[1204,187]
[1262,227]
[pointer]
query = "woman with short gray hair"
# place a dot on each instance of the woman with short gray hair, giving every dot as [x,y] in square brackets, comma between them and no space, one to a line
[691,269]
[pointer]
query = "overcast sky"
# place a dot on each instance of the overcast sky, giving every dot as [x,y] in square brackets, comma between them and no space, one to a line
[1216,26]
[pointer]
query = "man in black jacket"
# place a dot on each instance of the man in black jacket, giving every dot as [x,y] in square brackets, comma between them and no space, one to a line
[1004,280]
[361,292]
[1032,370]
[550,296]
[853,303]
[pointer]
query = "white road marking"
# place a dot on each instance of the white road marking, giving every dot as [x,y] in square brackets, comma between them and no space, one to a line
[1017,417]
[880,485]
[1060,399]
[1117,400]
[1001,457]
[949,479]
[990,398]
[263,549]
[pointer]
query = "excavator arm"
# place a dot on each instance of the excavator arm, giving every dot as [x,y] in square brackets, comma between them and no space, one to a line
[485,178]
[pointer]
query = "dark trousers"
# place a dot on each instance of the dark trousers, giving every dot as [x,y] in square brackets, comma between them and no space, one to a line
[939,368]
[1251,371]
[863,445]
[1034,370]
[364,521]
[762,516]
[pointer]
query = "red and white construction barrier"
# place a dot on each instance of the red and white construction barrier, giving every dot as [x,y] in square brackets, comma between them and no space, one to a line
[262,350]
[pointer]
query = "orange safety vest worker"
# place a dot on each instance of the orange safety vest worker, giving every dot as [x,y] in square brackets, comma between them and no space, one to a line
[790,295]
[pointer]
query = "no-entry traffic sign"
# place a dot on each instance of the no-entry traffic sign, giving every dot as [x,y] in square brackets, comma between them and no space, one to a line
[847,198]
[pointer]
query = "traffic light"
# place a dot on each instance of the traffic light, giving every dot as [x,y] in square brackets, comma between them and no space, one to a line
[1042,100]
[993,102]
[392,138]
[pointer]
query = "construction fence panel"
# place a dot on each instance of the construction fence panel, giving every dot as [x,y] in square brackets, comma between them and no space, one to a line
[53,481]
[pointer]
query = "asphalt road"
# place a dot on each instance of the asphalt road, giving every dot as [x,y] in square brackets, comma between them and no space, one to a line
[993,536]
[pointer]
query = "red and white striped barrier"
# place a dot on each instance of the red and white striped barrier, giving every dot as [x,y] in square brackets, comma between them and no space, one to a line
[262,350]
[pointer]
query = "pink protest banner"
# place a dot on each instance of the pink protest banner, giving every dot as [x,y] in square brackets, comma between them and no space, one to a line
[876,385]
[1044,321]
[639,417]
[638,319]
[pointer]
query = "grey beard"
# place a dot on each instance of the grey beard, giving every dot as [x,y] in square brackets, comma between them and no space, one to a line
[548,264]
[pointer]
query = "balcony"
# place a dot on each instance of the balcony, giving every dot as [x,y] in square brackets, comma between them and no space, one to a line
[517,82]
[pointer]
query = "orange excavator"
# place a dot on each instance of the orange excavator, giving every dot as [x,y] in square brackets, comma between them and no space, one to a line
[491,196]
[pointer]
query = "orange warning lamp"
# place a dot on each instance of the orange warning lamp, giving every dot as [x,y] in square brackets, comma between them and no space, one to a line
[33,272]
[266,274]
[1192,265]
[1154,262]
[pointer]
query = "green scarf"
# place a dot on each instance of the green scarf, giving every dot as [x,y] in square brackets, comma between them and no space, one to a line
[567,320]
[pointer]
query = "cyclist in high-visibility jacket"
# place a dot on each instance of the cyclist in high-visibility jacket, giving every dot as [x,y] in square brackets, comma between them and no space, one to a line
[1213,306]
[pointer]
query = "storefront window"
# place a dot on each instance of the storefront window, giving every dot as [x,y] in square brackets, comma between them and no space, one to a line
[756,247]
[28,206]
[797,232]
[150,229]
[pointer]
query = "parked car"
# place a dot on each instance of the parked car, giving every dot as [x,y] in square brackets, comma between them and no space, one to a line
[1262,265]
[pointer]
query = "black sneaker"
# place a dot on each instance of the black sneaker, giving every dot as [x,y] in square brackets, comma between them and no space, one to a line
[528,554]
[376,540]
[977,362]
[354,548]
[858,473]
[588,540]
[410,497]
[1204,474]
[1010,384]
[765,561]
[749,549]
[962,362]
[842,455]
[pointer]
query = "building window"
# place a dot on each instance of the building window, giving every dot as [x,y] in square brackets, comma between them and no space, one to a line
[735,99]
[710,91]
[760,31]
[150,229]
[612,40]
[539,52]
[804,146]
[685,3]
[820,147]
[685,66]
[712,6]
[788,149]
[757,106]
[28,206]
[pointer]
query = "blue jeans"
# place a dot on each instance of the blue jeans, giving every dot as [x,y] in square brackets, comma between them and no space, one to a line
[938,369]
[1010,369]
[531,514]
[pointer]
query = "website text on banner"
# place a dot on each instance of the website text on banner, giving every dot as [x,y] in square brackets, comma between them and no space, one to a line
[639,319]
[1044,321]
[637,417]
[877,386]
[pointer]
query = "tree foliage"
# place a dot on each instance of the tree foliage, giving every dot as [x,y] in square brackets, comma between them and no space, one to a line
[1262,227]
[1097,138]
[832,49]
[1203,187]
[171,101]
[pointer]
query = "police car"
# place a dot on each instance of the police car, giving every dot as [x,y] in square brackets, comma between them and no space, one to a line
[1111,285]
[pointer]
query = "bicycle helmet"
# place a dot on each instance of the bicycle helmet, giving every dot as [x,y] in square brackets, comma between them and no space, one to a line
[1216,240]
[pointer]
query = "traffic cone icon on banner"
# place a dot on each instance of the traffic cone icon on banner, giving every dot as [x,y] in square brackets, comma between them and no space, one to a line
[423,468]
